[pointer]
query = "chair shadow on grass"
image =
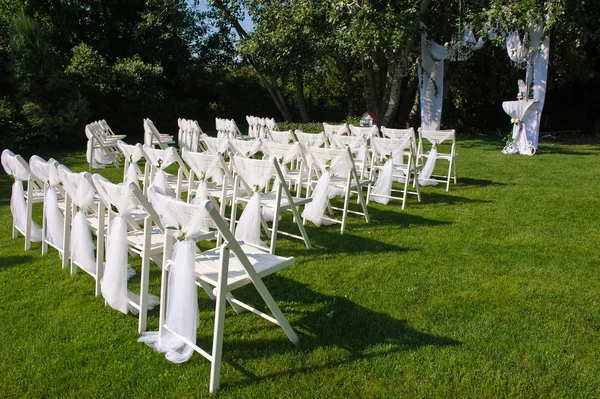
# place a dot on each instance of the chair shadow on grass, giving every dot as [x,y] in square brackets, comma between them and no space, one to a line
[331,322]
[468,181]
[439,198]
[14,260]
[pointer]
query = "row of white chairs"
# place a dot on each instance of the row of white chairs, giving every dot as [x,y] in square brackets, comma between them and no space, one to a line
[101,145]
[156,227]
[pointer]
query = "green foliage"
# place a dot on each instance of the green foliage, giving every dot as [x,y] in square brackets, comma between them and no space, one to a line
[49,103]
[312,127]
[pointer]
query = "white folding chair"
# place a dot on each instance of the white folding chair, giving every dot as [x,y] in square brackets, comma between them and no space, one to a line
[399,133]
[189,134]
[157,160]
[358,147]
[219,272]
[153,138]
[336,129]
[311,139]
[284,137]
[362,131]
[213,182]
[101,147]
[216,145]
[337,176]
[53,224]
[131,169]
[133,227]
[292,160]
[245,148]
[87,215]
[252,176]
[109,132]
[21,202]
[435,138]
[388,160]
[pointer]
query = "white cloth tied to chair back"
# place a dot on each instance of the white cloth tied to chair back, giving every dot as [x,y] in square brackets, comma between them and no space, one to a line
[330,162]
[82,193]
[116,270]
[96,157]
[206,167]
[284,137]
[183,221]
[246,148]
[435,138]
[390,151]
[133,153]
[256,174]
[336,129]
[47,172]
[216,144]
[311,139]
[160,159]
[20,172]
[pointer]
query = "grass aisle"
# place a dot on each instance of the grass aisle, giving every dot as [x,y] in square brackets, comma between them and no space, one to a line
[490,290]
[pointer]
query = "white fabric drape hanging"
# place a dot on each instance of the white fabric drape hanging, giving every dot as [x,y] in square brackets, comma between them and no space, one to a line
[116,270]
[206,167]
[431,72]
[18,206]
[133,153]
[429,167]
[182,303]
[257,174]
[161,159]
[338,166]
[392,156]
[46,171]
[533,54]
[82,194]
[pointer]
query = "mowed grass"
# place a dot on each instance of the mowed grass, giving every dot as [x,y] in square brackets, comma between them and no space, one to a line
[489,290]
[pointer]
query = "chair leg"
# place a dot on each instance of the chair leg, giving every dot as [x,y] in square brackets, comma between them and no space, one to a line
[145,276]
[101,242]
[217,352]
[449,175]
[283,322]
[28,216]
[346,201]
[66,244]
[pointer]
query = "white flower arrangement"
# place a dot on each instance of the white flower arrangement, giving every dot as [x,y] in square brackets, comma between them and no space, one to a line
[515,121]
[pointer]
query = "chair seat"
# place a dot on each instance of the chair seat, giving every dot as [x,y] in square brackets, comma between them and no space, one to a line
[269,200]
[135,239]
[208,264]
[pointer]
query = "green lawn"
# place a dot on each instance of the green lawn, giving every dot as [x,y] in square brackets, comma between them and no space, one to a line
[490,290]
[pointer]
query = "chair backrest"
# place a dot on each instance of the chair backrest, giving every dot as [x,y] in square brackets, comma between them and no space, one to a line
[254,174]
[205,166]
[283,152]
[216,145]
[362,131]
[336,129]
[284,137]
[45,171]
[337,161]
[398,133]
[79,187]
[245,148]
[18,168]
[436,137]
[164,157]
[383,147]
[311,139]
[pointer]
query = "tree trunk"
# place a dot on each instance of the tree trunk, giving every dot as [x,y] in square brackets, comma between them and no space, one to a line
[301,100]
[394,93]
[407,102]
[271,84]
[349,85]
[413,115]
[370,89]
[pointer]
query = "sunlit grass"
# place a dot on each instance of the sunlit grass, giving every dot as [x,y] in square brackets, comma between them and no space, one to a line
[489,290]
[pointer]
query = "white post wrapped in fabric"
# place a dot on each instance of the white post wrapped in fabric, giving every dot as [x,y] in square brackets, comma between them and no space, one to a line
[21,202]
[218,271]
[436,137]
[53,219]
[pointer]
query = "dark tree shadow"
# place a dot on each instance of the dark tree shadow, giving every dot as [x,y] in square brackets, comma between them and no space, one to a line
[14,260]
[333,321]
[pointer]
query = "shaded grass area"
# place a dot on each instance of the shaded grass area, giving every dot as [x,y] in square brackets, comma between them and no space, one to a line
[489,290]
